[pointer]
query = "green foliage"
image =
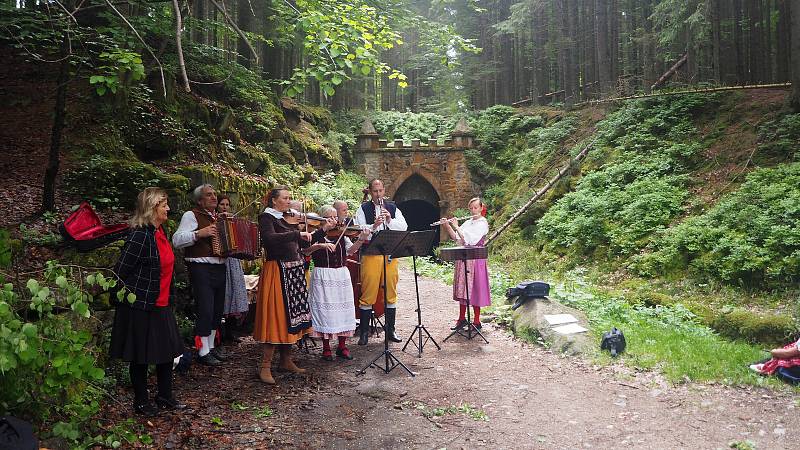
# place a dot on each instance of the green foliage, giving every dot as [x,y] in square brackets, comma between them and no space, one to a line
[50,372]
[264,412]
[742,445]
[127,433]
[408,125]
[649,148]
[428,267]
[342,39]
[668,338]
[5,249]
[332,186]
[237,85]
[33,236]
[780,138]
[769,329]
[108,181]
[750,238]
[118,68]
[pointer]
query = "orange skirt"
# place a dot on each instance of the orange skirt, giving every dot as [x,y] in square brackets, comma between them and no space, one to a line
[271,325]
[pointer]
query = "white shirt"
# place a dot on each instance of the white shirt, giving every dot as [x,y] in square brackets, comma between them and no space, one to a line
[185,237]
[397,223]
[473,230]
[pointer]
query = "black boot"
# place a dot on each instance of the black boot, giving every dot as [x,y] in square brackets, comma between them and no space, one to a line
[363,326]
[390,316]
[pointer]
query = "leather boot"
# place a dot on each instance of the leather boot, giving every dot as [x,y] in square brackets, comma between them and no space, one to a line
[391,313]
[363,326]
[286,362]
[265,373]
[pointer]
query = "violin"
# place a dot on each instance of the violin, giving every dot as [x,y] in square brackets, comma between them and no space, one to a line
[309,219]
[350,231]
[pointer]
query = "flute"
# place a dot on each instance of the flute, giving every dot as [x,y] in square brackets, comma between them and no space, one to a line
[440,222]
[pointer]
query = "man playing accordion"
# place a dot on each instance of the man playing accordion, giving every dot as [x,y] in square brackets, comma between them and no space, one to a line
[206,271]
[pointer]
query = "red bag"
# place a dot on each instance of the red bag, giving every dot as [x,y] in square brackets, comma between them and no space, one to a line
[84,229]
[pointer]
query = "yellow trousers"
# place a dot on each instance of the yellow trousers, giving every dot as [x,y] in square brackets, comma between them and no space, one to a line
[372,280]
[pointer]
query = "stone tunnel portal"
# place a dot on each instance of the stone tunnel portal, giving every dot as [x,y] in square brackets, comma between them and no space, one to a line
[419,201]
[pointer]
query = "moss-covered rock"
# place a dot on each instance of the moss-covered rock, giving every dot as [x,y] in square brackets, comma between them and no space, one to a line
[763,328]
[242,190]
[112,181]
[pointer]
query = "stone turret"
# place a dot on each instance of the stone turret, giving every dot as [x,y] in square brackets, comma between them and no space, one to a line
[462,136]
[367,139]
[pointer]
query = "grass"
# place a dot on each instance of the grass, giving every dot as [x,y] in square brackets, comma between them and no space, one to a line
[667,339]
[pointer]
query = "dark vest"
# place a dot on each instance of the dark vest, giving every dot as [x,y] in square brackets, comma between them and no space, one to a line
[202,247]
[369,210]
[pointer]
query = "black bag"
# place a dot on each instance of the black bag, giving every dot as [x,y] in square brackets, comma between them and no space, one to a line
[613,341]
[527,290]
[16,434]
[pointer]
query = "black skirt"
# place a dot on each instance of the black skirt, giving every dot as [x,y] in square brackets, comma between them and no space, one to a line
[145,337]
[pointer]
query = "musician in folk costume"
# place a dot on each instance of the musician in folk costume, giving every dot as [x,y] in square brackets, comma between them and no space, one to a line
[342,211]
[236,302]
[330,290]
[471,233]
[283,313]
[378,214]
[207,272]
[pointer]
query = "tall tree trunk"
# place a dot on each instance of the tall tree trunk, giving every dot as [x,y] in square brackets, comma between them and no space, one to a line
[741,76]
[716,40]
[754,39]
[794,98]
[613,40]
[59,115]
[562,11]
[768,77]
[603,48]
[648,47]
[782,41]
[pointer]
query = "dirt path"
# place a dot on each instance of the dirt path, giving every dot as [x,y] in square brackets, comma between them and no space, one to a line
[530,397]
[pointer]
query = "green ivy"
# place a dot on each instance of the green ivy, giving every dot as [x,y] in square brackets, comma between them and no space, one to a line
[50,370]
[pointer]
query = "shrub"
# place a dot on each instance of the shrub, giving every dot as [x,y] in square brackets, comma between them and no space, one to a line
[771,329]
[50,370]
[108,181]
[751,237]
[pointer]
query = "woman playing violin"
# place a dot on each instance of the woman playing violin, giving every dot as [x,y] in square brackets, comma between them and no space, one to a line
[330,291]
[283,313]
[472,233]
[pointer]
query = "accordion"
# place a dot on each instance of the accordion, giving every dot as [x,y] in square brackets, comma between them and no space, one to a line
[236,238]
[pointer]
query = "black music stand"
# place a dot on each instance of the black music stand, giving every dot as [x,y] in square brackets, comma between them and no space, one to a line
[383,243]
[304,346]
[464,254]
[418,243]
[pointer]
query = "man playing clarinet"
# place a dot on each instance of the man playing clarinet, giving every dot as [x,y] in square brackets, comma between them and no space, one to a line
[206,271]
[378,214]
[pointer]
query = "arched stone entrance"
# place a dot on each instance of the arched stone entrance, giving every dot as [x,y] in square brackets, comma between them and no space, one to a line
[419,201]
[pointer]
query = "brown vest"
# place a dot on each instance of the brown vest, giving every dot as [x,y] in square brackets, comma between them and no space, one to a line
[202,247]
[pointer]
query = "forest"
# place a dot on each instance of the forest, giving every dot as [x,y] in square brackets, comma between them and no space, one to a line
[681,225]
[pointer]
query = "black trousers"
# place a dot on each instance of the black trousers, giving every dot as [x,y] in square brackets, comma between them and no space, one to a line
[138,374]
[208,290]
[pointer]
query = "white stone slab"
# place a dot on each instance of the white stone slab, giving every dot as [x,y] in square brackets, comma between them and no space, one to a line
[569,329]
[559,319]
